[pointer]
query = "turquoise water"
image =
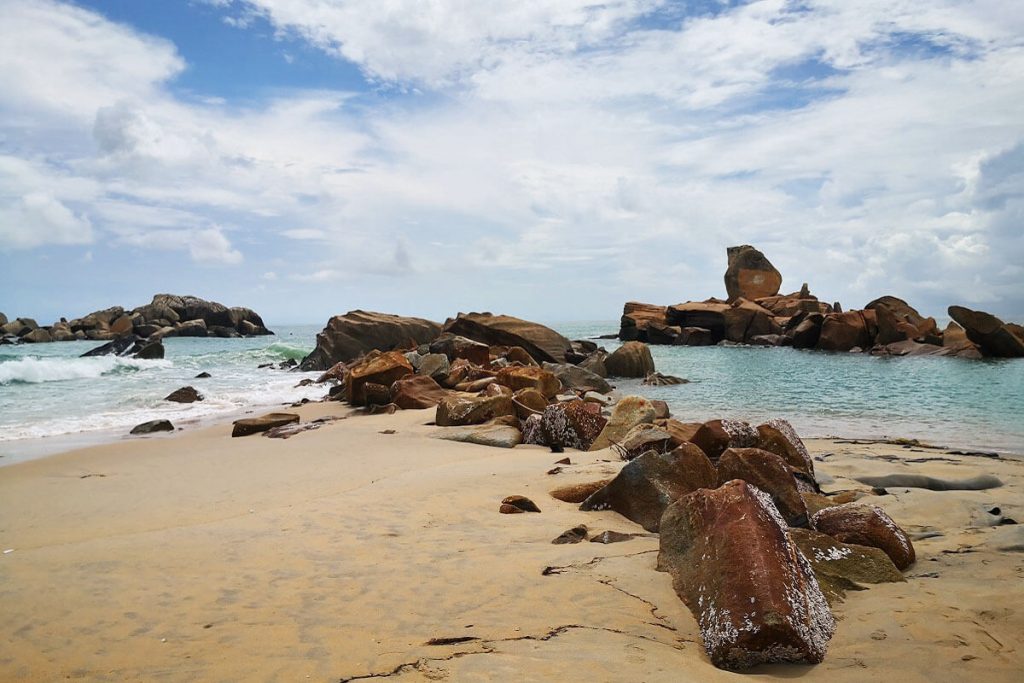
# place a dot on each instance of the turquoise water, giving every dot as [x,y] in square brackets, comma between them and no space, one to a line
[51,400]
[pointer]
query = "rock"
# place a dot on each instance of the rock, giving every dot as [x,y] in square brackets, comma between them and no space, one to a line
[643,438]
[542,343]
[866,525]
[453,346]
[416,392]
[203,375]
[37,336]
[715,436]
[788,305]
[521,503]
[779,437]
[151,351]
[384,369]
[769,473]
[578,378]
[750,274]
[454,411]
[981,482]
[61,332]
[118,347]
[435,366]
[122,326]
[248,322]
[192,328]
[573,535]
[955,337]
[184,395]
[694,336]
[153,426]
[840,567]
[708,315]
[636,317]
[845,331]
[530,377]
[3,320]
[577,493]
[992,335]
[754,595]
[647,485]
[375,395]
[607,537]
[254,425]
[632,359]
[347,337]
[627,413]
[595,363]
[528,402]
[495,435]
[661,409]
[816,501]
[898,321]
[656,379]
[573,424]
[745,320]
[681,432]
[807,332]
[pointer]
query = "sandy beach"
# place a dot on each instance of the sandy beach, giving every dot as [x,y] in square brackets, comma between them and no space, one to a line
[340,553]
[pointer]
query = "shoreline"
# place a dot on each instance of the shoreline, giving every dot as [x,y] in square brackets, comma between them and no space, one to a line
[286,554]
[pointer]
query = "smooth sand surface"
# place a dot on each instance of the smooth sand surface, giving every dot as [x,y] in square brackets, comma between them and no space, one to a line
[339,553]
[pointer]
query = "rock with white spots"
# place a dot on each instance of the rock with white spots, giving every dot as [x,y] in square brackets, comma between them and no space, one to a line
[866,525]
[753,593]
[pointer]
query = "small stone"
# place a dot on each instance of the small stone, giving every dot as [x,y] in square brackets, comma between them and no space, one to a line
[522,503]
[184,395]
[153,426]
[573,535]
[607,537]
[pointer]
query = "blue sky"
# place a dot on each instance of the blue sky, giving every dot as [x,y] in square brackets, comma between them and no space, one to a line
[545,158]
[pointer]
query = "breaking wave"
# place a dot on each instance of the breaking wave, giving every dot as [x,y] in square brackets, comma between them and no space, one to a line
[39,370]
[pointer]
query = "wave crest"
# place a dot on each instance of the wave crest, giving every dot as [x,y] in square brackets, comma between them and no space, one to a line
[39,370]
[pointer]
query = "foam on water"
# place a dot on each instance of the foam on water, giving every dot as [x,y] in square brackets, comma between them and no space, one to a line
[34,370]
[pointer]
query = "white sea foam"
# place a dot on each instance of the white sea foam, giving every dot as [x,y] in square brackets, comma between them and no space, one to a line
[31,370]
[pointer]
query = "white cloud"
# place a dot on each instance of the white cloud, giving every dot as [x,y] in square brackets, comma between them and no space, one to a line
[39,218]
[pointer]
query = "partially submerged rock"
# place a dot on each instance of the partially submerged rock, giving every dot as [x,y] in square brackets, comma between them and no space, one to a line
[992,335]
[632,359]
[184,395]
[754,594]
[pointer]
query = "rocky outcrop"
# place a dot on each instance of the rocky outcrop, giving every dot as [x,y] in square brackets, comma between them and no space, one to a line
[866,525]
[542,343]
[899,321]
[847,331]
[647,485]
[632,359]
[453,346]
[637,318]
[346,337]
[753,593]
[750,274]
[992,335]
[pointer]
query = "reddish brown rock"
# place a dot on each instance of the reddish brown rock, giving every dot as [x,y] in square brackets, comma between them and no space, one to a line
[453,346]
[636,317]
[254,425]
[577,493]
[840,567]
[384,369]
[517,354]
[632,359]
[417,392]
[788,305]
[347,337]
[708,315]
[992,335]
[662,334]
[574,424]
[694,336]
[523,503]
[753,593]
[898,321]
[644,438]
[454,411]
[750,274]
[644,487]
[845,331]
[528,402]
[530,377]
[771,474]
[806,333]
[715,436]
[779,437]
[542,343]
[866,525]
[376,394]
[681,432]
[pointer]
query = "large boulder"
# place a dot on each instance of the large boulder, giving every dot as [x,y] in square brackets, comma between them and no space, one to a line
[846,331]
[806,332]
[263,423]
[771,474]
[542,343]
[992,335]
[637,317]
[746,320]
[416,392]
[627,413]
[578,378]
[708,315]
[529,377]
[573,424]
[753,593]
[248,321]
[192,328]
[647,485]
[750,274]
[458,410]
[632,359]
[715,436]
[184,395]
[346,337]
[788,305]
[453,346]
[840,566]
[37,336]
[118,347]
[866,525]
[382,369]
[496,435]
[779,437]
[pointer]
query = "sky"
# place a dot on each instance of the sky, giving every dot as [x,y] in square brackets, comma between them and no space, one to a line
[549,159]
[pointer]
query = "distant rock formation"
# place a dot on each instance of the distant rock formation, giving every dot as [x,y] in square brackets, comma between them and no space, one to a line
[750,274]
[347,337]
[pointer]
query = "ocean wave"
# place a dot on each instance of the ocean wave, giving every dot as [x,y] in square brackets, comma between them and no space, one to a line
[39,370]
[286,351]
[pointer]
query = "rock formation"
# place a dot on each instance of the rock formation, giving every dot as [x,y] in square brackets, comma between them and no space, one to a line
[346,337]
[542,343]
[750,274]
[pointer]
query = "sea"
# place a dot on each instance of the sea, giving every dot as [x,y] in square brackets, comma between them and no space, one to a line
[53,400]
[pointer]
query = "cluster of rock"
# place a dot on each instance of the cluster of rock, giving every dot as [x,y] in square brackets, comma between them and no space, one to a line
[755,313]
[167,315]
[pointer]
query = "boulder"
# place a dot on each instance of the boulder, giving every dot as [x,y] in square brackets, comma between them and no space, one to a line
[529,377]
[192,328]
[845,331]
[150,351]
[992,335]
[61,332]
[750,274]
[662,334]
[681,432]
[595,363]
[632,359]
[37,336]
[210,312]
[528,402]
[3,320]
[122,326]
[435,366]
[715,436]
[694,336]
[578,378]
[753,593]
[454,411]
[514,504]
[840,567]
[248,322]
[647,485]
[153,426]
[118,347]
[577,493]
[97,319]
[806,333]
[184,395]
[453,346]
[788,305]
[636,317]
[254,425]
[643,438]
[656,379]
[708,315]
[627,413]
[573,424]
[347,337]
[746,320]
[779,437]
[898,321]
[494,435]
[576,534]
[158,311]
[769,473]
[416,392]
[384,369]
[542,343]
[866,525]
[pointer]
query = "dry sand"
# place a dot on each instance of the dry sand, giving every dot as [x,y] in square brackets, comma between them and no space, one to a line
[339,553]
